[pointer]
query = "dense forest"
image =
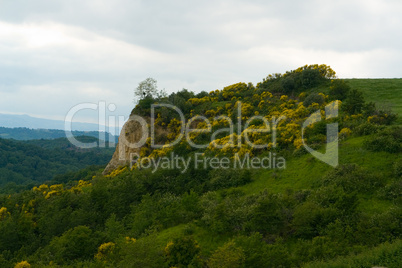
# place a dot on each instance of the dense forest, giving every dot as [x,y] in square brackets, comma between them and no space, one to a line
[24,164]
[308,214]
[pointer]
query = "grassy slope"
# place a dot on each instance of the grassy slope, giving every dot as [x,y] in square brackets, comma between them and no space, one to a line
[385,92]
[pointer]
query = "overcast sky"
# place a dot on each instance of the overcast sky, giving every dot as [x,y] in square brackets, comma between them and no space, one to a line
[57,54]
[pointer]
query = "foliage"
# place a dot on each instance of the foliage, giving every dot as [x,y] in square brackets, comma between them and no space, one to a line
[313,98]
[354,102]
[77,243]
[339,89]
[182,252]
[307,214]
[23,264]
[387,140]
[227,256]
[146,88]
[23,164]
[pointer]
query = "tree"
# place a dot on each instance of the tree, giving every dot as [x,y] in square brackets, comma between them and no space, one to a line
[147,88]
[229,255]
[339,89]
[354,102]
[183,252]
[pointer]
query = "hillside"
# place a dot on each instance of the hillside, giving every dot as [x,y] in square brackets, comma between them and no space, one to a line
[384,92]
[193,204]
[24,164]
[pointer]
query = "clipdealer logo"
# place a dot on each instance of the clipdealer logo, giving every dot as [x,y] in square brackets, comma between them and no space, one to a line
[240,130]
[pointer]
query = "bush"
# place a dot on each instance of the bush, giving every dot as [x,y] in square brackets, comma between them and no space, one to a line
[339,89]
[182,252]
[367,129]
[75,244]
[352,178]
[388,140]
[23,264]
[313,98]
[311,78]
[226,178]
[288,85]
[354,102]
[227,256]
[143,253]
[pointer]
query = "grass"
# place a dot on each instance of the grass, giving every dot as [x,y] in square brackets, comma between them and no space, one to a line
[386,93]
[305,171]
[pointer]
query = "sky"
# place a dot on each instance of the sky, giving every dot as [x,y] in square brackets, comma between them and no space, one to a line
[55,55]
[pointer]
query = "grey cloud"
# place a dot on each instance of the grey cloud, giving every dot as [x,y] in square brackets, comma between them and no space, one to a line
[201,45]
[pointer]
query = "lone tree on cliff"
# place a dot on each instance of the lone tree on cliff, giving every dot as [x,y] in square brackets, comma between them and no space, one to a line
[147,88]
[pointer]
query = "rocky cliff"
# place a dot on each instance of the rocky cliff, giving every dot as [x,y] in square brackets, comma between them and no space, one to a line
[131,133]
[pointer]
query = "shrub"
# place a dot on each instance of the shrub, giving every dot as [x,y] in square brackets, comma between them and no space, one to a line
[344,133]
[388,140]
[352,178]
[105,251]
[313,98]
[227,256]
[226,178]
[339,89]
[23,264]
[288,85]
[182,252]
[367,129]
[75,244]
[311,78]
[354,102]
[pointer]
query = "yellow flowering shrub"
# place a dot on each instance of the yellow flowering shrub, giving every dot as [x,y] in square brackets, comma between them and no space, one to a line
[41,189]
[3,213]
[54,190]
[130,240]
[298,143]
[56,187]
[345,132]
[23,264]
[105,250]
[81,184]
[266,94]
[116,172]
[246,109]
[51,193]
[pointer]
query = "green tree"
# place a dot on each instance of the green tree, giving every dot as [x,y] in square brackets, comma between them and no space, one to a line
[229,255]
[182,252]
[339,89]
[77,243]
[147,88]
[354,102]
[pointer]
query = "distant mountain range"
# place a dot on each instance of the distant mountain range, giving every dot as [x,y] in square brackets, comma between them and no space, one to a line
[25,127]
[13,121]
[23,133]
